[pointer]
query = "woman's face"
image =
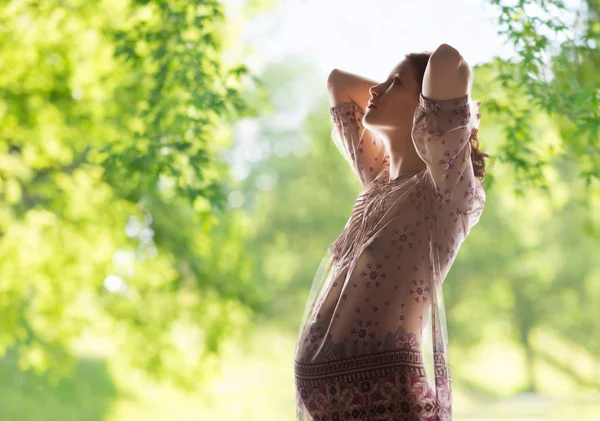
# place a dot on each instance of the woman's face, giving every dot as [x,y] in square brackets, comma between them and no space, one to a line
[395,100]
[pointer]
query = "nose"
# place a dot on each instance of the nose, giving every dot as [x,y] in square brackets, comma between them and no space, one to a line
[372,91]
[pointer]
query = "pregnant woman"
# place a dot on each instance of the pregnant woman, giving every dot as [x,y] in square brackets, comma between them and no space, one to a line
[372,343]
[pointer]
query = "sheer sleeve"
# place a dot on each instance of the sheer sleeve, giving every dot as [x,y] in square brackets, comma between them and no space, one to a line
[364,151]
[441,134]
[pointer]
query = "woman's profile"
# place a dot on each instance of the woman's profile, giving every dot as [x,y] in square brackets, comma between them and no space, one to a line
[372,342]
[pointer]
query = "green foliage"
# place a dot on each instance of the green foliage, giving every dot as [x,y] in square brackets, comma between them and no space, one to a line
[557,82]
[85,395]
[112,116]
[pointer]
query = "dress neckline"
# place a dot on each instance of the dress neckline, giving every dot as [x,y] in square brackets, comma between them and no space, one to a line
[403,175]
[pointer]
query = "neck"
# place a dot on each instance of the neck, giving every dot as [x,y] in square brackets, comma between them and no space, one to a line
[403,156]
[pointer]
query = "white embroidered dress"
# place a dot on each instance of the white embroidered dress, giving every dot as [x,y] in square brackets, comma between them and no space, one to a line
[372,342]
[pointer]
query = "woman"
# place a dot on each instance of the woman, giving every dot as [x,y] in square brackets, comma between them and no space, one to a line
[373,343]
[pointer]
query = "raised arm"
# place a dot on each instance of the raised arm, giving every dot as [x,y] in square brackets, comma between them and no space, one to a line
[447,76]
[343,87]
[348,95]
[443,124]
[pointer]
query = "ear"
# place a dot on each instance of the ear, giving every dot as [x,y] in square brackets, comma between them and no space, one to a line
[447,75]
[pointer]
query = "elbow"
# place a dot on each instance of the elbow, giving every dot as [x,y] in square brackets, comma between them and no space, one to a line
[447,74]
[448,56]
[333,79]
[446,49]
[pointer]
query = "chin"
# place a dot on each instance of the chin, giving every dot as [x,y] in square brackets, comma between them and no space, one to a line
[369,120]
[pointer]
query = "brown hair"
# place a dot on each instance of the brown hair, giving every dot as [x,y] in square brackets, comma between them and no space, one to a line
[419,62]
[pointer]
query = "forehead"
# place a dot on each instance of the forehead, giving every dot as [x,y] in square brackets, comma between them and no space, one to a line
[402,68]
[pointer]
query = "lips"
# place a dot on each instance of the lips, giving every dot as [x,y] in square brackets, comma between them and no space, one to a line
[371,104]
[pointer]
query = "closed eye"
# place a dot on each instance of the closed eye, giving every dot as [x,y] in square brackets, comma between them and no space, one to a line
[396,79]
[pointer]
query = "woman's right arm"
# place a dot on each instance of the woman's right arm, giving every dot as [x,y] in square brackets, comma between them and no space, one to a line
[366,153]
[344,86]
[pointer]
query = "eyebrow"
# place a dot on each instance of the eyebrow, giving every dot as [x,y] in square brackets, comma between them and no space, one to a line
[399,74]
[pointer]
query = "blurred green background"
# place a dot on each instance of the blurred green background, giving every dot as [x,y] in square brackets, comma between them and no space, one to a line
[142,279]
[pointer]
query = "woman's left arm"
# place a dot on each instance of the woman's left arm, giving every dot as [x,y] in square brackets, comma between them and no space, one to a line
[444,122]
[447,75]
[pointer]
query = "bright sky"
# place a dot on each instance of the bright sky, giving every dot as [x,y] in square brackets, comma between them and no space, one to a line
[363,37]
[369,38]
